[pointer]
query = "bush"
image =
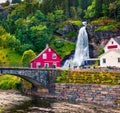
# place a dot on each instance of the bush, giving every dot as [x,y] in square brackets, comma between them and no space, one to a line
[87,77]
[111,27]
[10,82]
[71,34]
[58,44]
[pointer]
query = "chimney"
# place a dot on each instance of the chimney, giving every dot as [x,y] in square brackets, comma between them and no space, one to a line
[46,45]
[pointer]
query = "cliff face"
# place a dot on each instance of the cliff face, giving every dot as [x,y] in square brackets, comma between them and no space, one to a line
[97,39]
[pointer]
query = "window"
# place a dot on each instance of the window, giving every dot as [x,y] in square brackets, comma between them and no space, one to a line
[49,50]
[119,60]
[54,65]
[38,65]
[112,42]
[104,60]
[54,56]
[46,65]
[44,56]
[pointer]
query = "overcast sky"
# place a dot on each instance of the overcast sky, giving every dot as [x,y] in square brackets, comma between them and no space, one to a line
[1,1]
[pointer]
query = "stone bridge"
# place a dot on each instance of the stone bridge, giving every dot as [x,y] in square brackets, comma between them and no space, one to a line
[38,77]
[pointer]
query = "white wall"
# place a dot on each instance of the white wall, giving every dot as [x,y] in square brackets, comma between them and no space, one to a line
[110,44]
[111,59]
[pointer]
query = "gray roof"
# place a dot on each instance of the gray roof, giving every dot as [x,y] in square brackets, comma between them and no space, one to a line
[117,40]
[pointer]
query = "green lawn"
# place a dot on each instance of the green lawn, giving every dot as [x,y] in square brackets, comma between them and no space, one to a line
[12,58]
[61,46]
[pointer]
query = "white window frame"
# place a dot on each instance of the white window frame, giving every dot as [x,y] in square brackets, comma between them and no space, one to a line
[44,56]
[49,50]
[112,42]
[55,64]
[118,59]
[54,56]
[38,64]
[104,60]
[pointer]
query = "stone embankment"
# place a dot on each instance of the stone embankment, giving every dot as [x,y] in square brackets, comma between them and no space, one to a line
[10,98]
[98,94]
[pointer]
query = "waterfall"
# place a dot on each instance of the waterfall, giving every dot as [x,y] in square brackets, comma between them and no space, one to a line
[81,51]
[82,47]
[10,1]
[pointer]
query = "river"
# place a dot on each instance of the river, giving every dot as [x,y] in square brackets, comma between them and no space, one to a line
[42,105]
[15,102]
[35,105]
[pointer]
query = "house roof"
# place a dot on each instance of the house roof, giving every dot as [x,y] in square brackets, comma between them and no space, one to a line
[117,40]
[47,47]
[116,51]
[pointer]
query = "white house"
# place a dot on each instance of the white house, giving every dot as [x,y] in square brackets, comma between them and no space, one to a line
[111,57]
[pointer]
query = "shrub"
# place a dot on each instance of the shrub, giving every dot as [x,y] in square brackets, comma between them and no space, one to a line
[87,77]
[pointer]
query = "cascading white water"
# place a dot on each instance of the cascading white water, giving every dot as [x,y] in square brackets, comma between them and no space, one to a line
[82,47]
[81,51]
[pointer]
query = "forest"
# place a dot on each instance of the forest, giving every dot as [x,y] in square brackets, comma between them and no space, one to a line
[27,26]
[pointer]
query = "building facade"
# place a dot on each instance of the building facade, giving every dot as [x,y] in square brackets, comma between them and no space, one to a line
[111,57]
[48,58]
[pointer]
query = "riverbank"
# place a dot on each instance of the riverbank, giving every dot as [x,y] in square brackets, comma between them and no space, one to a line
[10,98]
[42,104]
[64,105]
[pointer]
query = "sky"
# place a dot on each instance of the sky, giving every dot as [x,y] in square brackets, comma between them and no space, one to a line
[2,1]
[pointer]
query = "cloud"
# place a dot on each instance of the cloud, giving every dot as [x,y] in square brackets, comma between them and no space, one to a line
[2,1]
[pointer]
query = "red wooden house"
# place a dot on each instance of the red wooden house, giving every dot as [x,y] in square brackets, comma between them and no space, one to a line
[47,58]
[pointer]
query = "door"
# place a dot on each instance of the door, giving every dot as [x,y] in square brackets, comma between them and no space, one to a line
[46,65]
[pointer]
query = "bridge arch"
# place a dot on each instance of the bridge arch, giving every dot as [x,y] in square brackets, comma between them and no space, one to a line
[32,81]
[40,78]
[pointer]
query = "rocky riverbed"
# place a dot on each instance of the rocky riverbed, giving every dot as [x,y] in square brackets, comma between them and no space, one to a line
[10,98]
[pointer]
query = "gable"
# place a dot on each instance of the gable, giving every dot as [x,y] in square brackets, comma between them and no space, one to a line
[112,44]
[50,50]
[47,50]
[117,40]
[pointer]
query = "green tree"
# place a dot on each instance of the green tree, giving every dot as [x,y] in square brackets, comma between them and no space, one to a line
[50,20]
[3,59]
[25,47]
[94,10]
[16,1]
[22,31]
[39,36]
[112,8]
[3,36]
[12,42]
[27,57]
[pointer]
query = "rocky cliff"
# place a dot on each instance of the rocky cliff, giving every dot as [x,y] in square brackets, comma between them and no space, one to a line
[97,39]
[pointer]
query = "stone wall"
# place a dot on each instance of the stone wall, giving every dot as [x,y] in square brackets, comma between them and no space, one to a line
[100,94]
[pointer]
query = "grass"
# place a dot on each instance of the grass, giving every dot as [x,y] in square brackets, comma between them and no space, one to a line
[106,24]
[118,101]
[87,77]
[71,34]
[103,21]
[13,82]
[110,27]
[61,46]
[13,59]
[74,22]
[10,82]
[1,109]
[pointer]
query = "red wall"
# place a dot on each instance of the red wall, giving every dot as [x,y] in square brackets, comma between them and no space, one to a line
[49,59]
